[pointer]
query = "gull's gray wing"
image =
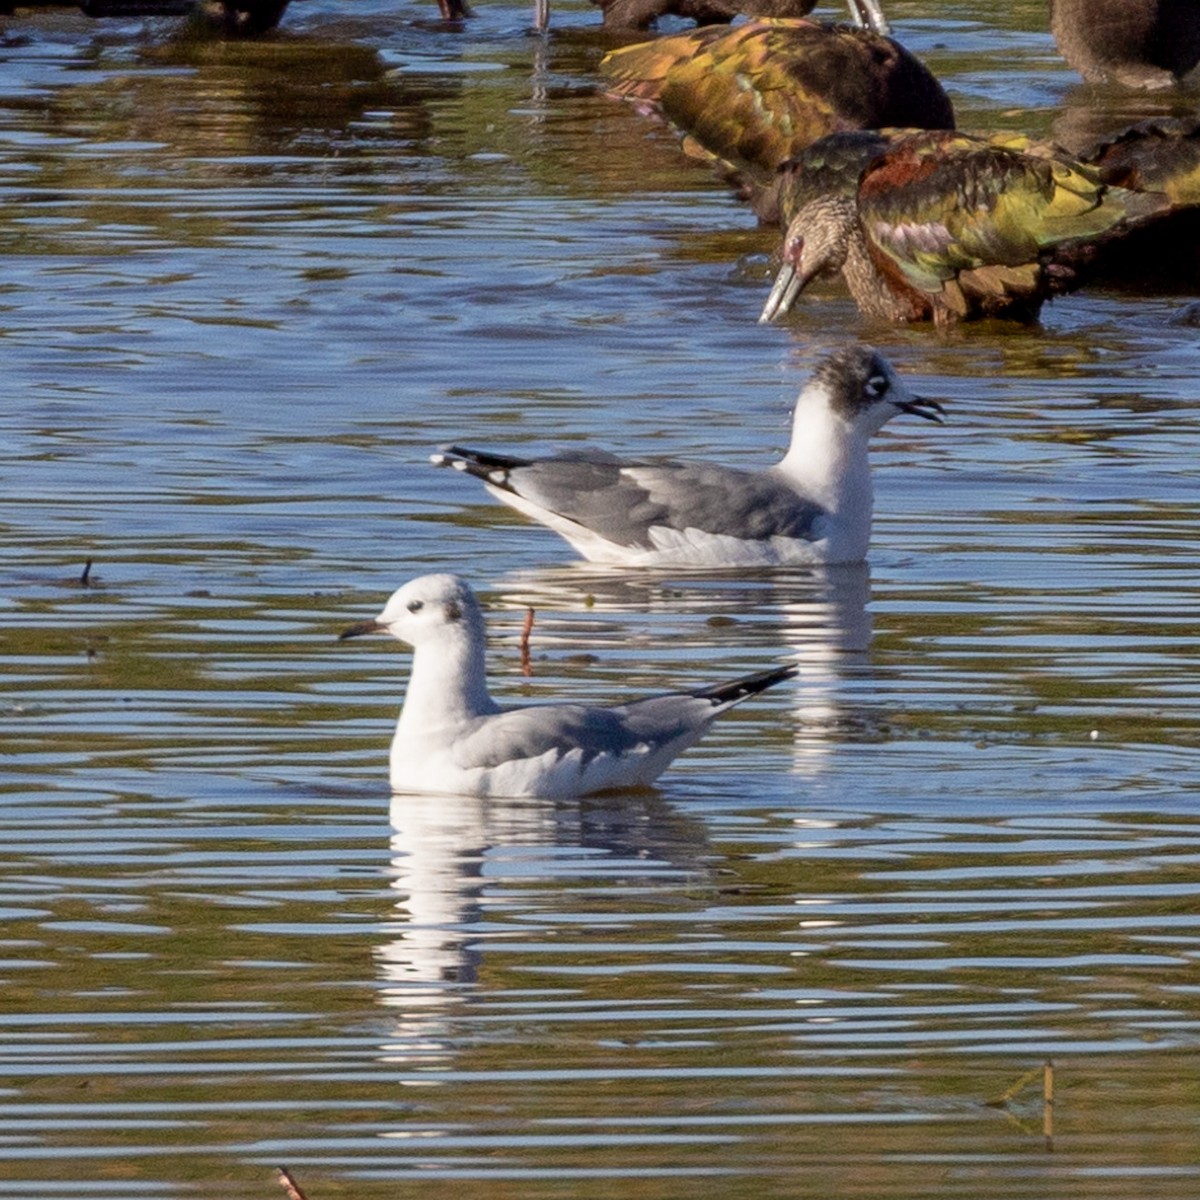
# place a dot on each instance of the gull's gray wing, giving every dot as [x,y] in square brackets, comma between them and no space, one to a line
[530,732]
[640,727]
[622,500]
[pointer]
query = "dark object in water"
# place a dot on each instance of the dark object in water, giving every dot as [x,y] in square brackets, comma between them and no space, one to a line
[226,16]
[1137,43]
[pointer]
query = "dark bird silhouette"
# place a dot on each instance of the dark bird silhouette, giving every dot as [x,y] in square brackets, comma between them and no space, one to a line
[244,18]
[753,96]
[947,227]
[1137,43]
[643,14]
[231,17]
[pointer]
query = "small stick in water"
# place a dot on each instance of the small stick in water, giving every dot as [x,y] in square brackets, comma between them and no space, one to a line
[289,1185]
[526,630]
[1009,1094]
[1048,1104]
[1046,1071]
[85,578]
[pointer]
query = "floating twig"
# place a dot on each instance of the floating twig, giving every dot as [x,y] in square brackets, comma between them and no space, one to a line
[1015,1089]
[1046,1071]
[526,630]
[1048,1104]
[85,580]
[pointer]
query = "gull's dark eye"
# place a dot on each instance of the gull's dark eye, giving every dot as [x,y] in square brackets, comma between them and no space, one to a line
[415,605]
[877,385]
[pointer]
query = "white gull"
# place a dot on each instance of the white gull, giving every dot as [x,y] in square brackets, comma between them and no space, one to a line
[453,738]
[814,506]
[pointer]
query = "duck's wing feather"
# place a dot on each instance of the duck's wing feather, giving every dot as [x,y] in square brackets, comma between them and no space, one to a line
[937,205]
[757,94]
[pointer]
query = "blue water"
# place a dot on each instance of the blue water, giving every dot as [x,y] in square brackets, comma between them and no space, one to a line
[246,291]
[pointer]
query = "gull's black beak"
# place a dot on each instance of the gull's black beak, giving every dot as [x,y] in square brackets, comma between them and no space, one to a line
[919,406]
[361,628]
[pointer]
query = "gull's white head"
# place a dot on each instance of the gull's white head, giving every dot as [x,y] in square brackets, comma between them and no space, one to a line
[430,608]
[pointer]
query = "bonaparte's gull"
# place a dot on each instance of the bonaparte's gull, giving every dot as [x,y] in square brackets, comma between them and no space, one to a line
[452,737]
[813,506]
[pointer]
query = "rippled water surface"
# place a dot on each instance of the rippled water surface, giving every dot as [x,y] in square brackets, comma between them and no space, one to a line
[246,289]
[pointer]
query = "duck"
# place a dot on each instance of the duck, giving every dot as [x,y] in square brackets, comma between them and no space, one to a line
[1146,44]
[645,14]
[814,506]
[751,97]
[452,738]
[243,18]
[947,227]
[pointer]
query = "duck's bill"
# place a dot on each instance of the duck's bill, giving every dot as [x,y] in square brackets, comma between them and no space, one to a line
[788,285]
[921,406]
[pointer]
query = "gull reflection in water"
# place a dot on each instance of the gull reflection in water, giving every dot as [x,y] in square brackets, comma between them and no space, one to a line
[737,620]
[470,871]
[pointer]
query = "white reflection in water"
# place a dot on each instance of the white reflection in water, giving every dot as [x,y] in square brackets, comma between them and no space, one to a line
[441,847]
[458,857]
[830,629]
[819,617]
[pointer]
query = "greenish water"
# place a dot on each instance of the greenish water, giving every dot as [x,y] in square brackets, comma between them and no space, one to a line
[246,290]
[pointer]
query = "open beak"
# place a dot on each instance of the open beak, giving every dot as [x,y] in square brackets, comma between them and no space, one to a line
[361,629]
[919,406]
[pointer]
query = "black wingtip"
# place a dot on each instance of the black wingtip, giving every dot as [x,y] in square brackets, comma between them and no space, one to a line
[747,685]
